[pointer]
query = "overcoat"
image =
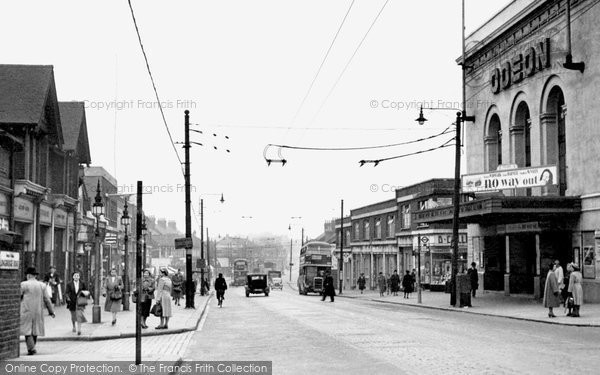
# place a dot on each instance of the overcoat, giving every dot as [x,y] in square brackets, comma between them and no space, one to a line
[395,282]
[550,298]
[163,295]
[177,281]
[407,283]
[575,287]
[112,284]
[33,299]
[362,281]
[71,294]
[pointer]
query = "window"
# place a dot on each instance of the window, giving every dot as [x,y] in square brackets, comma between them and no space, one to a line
[493,143]
[405,210]
[347,239]
[391,229]
[367,227]
[378,228]
[356,231]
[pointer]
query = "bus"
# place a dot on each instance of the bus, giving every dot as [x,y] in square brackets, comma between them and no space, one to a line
[240,270]
[315,261]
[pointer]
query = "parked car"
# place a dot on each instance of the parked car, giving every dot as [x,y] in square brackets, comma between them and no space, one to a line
[256,283]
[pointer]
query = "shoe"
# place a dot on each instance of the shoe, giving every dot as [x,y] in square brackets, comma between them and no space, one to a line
[31,352]
[114,322]
[79,333]
[158,327]
[143,326]
[551,315]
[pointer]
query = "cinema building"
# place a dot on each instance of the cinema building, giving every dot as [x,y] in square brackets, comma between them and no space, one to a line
[532,154]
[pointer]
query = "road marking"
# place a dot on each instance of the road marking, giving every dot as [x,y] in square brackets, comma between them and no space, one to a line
[203,319]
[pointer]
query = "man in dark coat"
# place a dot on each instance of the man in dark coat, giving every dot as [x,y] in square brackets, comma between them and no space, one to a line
[328,287]
[474,278]
[395,282]
[362,281]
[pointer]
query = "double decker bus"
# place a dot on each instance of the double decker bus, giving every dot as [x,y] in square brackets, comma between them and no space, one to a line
[240,270]
[315,261]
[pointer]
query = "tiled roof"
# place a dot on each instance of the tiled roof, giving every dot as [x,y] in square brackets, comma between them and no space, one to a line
[72,116]
[23,92]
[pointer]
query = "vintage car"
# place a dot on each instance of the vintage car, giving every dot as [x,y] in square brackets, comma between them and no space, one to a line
[277,283]
[257,283]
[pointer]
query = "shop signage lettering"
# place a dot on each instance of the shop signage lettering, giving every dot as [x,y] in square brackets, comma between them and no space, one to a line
[9,260]
[510,179]
[45,214]
[23,209]
[525,64]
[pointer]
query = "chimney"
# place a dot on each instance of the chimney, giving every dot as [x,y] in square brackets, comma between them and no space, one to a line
[173,225]
[162,223]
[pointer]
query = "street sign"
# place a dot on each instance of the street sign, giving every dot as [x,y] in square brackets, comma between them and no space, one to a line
[110,238]
[183,243]
[200,263]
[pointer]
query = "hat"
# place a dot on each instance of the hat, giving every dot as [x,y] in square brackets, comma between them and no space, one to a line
[31,271]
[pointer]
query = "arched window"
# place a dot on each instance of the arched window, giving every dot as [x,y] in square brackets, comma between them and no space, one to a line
[520,133]
[554,139]
[493,143]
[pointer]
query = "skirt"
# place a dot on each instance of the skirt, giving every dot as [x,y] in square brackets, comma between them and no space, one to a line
[112,305]
[165,302]
[78,315]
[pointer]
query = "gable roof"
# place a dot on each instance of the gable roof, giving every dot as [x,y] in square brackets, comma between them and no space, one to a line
[74,126]
[23,92]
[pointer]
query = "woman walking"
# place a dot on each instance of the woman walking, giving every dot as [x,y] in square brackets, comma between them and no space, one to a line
[163,296]
[407,284]
[551,291]
[575,288]
[146,296]
[382,284]
[177,289]
[113,287]
[75,290]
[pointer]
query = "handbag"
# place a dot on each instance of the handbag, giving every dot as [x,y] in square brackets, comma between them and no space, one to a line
[116,294]
[82,301]
[156,310]
[134,296]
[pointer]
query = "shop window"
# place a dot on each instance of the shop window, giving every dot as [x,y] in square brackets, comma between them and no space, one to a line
[588,267]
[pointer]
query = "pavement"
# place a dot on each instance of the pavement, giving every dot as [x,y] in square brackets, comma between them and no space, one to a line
[491,303]
[60,328]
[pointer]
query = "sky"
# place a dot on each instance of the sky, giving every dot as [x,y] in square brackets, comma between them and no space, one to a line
[247,72]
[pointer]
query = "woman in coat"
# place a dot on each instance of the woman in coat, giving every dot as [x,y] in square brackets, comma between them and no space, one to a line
[395,282]
[113,291]
[362,281]
[146,296]
[575,288]
[381,283]
[407,284]
[551,291]
[75,289]
[163,296]
[33,299]
[177,290]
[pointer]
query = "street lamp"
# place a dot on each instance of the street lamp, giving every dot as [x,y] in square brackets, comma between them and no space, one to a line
[97,211]
[125,222]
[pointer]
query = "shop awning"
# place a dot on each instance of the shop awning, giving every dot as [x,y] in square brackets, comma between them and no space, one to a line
[505,210]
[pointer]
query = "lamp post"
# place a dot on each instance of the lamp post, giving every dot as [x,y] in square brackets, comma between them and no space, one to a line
[97,211]
[424,240]
[125,222]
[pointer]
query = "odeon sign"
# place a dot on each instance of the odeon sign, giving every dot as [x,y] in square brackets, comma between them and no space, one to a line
[525,64]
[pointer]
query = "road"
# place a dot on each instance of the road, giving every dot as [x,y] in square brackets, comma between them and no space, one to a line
[302,334]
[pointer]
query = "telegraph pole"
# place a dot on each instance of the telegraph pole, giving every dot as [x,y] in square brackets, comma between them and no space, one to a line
[189,293]
[201,246]
[341,267]
[138,270]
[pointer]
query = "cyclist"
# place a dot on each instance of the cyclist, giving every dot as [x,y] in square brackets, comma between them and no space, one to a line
[220,287]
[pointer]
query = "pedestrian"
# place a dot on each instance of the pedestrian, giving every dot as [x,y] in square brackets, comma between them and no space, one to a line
[560,276]
[328,287]
[413,274]
[33,299]
[220,287]
[76,289]
[381,283]
[575,288]
[163,296]
[113,291]
[395,282]
[177,280]
[551,292]
[146,296]
[473,278]
[53,280]
[407,284]
[362,282]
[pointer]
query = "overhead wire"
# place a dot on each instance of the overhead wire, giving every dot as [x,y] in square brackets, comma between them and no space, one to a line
[349,62]
[377,161]
[323,62]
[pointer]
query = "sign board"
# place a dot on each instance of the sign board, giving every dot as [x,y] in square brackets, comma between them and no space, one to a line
[183,243]
[200,263]
[510,179]
[110,238]
[9,260]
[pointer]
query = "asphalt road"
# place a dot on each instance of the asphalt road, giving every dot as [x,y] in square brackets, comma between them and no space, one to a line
[302,334]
